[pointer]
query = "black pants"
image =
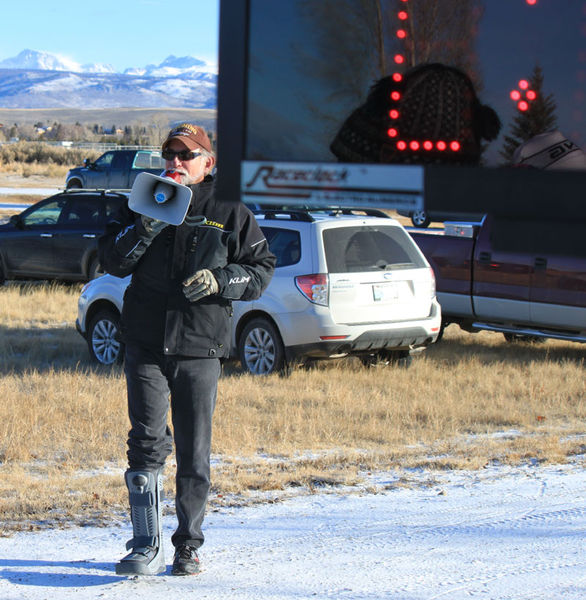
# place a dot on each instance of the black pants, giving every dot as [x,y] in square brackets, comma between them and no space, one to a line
[191,383]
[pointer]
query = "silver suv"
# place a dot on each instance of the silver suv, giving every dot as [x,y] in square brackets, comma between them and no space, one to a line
[345,284]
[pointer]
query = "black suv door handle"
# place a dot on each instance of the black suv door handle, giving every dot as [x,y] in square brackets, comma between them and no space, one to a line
[540,263]
[484,258]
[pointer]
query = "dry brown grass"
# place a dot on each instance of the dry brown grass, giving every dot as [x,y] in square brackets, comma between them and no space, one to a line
[468,401]
[50,170]
[38,159]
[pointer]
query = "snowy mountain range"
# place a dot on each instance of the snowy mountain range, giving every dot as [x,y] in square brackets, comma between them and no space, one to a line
[34,79]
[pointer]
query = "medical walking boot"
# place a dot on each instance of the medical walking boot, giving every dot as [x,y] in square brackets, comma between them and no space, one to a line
[146,549]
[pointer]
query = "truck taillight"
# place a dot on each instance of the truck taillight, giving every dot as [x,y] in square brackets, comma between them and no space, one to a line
[314,287]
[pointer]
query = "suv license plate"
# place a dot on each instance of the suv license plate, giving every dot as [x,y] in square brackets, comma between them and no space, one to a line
[386,292]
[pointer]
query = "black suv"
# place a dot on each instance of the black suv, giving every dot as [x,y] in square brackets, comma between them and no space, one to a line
[56,238]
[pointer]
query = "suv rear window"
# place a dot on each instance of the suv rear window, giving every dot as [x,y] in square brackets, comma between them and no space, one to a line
[285,244]
[369,248]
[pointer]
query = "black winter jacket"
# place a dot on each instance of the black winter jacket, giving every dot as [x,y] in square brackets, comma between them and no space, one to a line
[156,313]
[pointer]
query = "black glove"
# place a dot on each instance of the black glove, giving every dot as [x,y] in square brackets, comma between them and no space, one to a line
[152,226]
[201,283]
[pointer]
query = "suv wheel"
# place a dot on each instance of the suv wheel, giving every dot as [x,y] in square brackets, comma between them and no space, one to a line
[260,348]
[102,338]
[420,219]
[74,184]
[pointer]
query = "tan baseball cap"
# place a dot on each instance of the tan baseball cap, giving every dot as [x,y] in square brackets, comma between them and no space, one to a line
[192,136]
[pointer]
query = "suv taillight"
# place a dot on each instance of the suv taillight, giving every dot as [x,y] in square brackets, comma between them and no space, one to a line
[314,287]
[432,283]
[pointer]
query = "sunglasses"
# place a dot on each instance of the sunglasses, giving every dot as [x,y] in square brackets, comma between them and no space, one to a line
[182,155]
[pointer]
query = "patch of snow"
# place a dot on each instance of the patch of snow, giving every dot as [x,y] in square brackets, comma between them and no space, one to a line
[501,533]
[39,79]
[179,88]
[98,68]
[138,71]
[34,59]
[59,84]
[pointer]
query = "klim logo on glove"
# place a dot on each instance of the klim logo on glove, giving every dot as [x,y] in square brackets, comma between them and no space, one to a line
[239,280]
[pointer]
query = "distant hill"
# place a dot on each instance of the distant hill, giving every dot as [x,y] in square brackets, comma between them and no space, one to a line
[109,116]
[34,79]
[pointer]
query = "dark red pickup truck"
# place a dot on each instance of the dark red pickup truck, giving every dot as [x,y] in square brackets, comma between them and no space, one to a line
[526,292]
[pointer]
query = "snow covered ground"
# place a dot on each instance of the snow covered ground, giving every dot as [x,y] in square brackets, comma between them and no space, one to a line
[500,533]
[32,191]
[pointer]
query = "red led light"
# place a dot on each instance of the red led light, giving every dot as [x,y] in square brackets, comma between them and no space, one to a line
[394,114]
[531,95]
[454,146]
[523,106]
[392,132]
[441,146]
[531,2]
[515,95]
[397,77]
[399,59]
[427,145]
[395,96]
[523,84]
[414,145]
[402,145]
[402,15]
[401,34]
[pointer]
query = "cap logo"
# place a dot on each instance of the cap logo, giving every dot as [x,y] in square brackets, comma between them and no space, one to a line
[184,129]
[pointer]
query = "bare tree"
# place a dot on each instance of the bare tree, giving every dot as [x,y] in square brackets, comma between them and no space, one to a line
[356,39]
[353,43]
[442,32]
[349,43]
[157,129]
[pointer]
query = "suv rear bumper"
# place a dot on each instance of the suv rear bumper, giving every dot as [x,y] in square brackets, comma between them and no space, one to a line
[369,341]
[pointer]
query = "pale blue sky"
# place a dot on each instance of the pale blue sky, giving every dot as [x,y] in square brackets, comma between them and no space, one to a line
[123,33]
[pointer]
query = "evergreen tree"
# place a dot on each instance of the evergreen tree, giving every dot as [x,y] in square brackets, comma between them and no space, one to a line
[539,118]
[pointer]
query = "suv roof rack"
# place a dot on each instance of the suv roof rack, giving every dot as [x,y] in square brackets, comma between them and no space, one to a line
[294,215]
[369,212]
[102,191]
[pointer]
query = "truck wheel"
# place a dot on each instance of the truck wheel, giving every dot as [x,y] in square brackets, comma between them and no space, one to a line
[420,219]
[260,348]
[74,184]
[102,338]
[527,339]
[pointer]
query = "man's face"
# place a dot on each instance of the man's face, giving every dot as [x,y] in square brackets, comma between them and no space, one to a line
[192,171]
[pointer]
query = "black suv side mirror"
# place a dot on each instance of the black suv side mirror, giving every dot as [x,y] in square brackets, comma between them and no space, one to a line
[87,163]
[16,221]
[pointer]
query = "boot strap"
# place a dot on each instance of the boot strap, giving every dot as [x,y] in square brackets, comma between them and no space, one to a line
[142,542]
[147,499]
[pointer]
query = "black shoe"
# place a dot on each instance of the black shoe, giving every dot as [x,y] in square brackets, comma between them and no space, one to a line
[185,561]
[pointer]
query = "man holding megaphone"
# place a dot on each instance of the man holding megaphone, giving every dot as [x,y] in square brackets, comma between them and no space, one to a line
[190,257]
